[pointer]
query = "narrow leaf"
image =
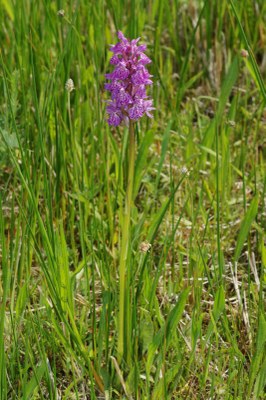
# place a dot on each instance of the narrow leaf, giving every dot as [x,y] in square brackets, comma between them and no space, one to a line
[245,227]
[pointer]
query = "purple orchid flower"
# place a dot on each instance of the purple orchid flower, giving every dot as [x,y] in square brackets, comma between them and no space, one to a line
[128,82]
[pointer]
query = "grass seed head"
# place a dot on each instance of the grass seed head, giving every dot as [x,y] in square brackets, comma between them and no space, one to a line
[244,53]
[61,13]
[69,86]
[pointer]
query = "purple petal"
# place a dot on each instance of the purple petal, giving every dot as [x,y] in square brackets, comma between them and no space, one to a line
[140,91]
[114,120]
[141,77]
[142,47]
[136,111]
[144,59]
[115,60]
[121,36]
[123,98]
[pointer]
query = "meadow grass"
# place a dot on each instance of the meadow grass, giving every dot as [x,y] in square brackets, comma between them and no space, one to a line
[195,314]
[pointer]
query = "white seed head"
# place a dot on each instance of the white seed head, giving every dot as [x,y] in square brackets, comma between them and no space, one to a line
[61,13]
[69,86]
[244,53]
[231,123]
[144,247]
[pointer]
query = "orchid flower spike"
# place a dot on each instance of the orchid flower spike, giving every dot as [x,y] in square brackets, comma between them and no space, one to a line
[128,82]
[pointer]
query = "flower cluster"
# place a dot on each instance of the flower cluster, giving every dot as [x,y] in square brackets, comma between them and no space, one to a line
[128,82]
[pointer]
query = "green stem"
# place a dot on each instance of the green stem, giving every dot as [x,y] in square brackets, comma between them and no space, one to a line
[123,331]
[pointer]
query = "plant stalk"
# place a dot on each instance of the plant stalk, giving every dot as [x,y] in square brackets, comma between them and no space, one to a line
[123,331]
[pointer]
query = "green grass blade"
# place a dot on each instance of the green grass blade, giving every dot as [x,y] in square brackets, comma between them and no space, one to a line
[257,359]
[253,62]
[245,226]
